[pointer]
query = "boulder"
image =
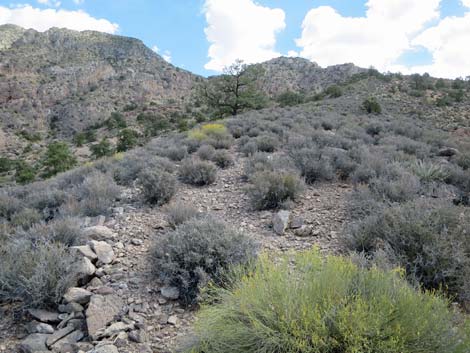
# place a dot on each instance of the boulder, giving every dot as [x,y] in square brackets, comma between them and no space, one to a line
[77,295]
[85,268]
[281,222]
[44,315]
[109,348]
[99,233]
[59,334]
[171,293]
[85,251]
[101,311]
[39,327]
[103,250]
[34,343]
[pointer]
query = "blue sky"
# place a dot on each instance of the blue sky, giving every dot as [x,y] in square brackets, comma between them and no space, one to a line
[204,35]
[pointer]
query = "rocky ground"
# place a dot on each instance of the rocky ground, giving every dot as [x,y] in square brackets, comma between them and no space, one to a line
[120,308]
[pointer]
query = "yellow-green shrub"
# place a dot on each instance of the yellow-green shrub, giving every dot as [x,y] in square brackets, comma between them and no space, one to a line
[306,304]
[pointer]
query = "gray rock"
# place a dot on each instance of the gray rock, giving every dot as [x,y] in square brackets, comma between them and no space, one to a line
[77,295]
[39,327]
[99,233]
[103,250]
[171,293]
[113,329]
[173,320]
[138,336]
[85,268]
[297,222]
[101,311]
[85,251]
[281,222]
[44,315]
[33,343]
[136,242]
[71,308]
[56,336]
[67,341]
[109,348]
[304,231]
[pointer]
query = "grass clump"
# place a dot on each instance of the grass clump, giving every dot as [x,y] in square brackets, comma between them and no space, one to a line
[157,186]
[305,304]
[269,189]
[197,251]
[196,172]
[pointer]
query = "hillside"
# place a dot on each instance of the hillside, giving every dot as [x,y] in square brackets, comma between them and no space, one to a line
[334,219]
[62,81]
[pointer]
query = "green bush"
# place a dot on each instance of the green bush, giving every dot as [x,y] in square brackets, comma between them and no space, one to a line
[6,164]
[430,241]
[199,250]
[334,91]
[271,189]
[371,106]
[116,121]
[305,304]
[157,186]
[58,159]
[197,172]
[127,139]
[289,99]
[102,149]
[24,173]
[36,274]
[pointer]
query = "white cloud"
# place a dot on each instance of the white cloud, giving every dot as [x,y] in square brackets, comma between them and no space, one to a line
[78,2]
[241,29]
[466,3]
[378,39]
[42,19]
[448,42]
[166,55]
[50,3]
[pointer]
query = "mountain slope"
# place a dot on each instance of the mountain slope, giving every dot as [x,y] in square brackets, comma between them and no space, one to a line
[68,80]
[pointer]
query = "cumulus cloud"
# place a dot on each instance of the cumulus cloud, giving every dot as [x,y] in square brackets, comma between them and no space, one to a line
[166,55]
[50,3]
[379,38]
[466,3]
[42,19]
[241,29]
[448,42]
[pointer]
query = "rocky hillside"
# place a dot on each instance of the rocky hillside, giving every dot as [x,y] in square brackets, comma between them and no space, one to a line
[65,81]
[297,74]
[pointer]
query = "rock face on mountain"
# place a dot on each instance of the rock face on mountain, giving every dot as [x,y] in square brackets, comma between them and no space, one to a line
[68,80]
[298,74]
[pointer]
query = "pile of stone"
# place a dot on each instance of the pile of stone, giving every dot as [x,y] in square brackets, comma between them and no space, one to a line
[90,315]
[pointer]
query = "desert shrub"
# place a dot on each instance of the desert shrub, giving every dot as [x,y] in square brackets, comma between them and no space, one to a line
[428,171]
[206,152]
[312,165]
[179,213]
[261,162]
[267,143]
[26,218]
[271,189]
[249,148]
[397,185]
[342,164]
[58,159]
[334,91]
[337,307]
[198,251]
[9,205]
[97,194]
[374,128]
[116,121]
[6,164]
[174,153]
[127,139]
[222,159]
[24,172]
[66,231]
[289,99]
[197,172]
[37,274]
[429,240]
[215,135]
[463,160]
[157,186]
[371,106]
[128,169]
[102,149]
